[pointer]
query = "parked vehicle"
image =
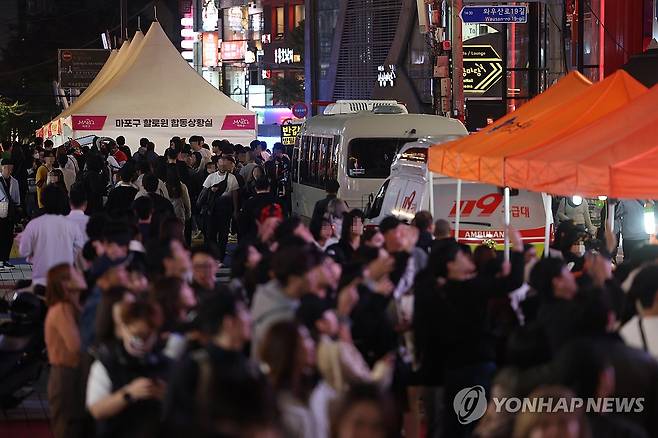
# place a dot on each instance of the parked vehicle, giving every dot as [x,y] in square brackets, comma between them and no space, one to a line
[407,191]
[355,142]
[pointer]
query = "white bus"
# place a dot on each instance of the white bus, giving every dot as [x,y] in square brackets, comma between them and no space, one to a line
[357,149]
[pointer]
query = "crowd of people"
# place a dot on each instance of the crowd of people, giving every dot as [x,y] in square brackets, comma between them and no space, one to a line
[331,329]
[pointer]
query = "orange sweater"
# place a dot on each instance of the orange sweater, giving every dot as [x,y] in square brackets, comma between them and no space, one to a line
[62,335]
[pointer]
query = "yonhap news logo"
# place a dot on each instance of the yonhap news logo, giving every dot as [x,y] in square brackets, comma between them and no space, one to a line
[470,404]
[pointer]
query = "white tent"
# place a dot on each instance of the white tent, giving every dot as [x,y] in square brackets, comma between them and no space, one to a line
[151,91]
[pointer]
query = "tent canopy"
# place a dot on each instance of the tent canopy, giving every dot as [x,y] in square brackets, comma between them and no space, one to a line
[564,108]
[614,156]
[151,91]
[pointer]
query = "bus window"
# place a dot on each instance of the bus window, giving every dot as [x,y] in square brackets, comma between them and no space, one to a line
[372,157]
[317,158]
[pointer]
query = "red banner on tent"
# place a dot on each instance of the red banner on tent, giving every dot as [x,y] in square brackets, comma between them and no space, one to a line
[239,123]
[88,123]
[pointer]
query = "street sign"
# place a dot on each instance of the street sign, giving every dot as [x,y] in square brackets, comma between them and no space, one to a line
[494,14]
[79,67]
[483,68]
[300,110]
[289,132]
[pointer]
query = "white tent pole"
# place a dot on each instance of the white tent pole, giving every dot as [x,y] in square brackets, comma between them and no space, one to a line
[611,216]
[507,222]
[548,214]
[430,179]
[458,208]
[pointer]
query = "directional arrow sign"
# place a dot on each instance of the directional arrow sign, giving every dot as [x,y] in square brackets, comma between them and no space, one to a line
[483,68]
[494,14]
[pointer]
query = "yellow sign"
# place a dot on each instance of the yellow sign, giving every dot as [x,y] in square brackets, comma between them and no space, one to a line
[289,133]
[483,68]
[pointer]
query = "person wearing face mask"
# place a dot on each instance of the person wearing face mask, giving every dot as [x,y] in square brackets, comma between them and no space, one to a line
[176,299]
[62,338]
[126,383]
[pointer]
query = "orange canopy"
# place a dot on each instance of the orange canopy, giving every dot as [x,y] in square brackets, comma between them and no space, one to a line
[614,156]
[566,107]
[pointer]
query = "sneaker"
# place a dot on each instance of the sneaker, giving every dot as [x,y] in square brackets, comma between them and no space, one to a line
[3,267]
[9,265]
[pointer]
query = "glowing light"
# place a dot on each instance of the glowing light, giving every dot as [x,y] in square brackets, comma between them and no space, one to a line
[187,22]
[603,198]
[188,54]
[577,200]
[649,220]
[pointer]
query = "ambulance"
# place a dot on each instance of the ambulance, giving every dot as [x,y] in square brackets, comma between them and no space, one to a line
[407,191]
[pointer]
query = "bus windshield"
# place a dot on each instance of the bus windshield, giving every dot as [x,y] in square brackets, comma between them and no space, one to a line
[372,157]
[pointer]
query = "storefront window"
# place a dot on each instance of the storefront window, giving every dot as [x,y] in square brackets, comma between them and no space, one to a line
[234,82]
[299,14]
[280,22]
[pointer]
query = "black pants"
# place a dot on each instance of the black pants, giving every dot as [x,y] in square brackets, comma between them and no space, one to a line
[218,227]
[457,379]
[6,238]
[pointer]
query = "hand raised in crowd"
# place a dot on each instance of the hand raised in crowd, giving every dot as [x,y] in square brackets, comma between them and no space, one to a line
[599,267]
[516,242]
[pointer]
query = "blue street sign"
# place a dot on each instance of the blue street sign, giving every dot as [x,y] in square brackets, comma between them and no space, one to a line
[494,14]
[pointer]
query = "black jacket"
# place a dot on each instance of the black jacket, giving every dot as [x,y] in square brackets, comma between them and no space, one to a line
[119,200]
[450,322]
[342,252]
[230,374]
[142,417]
[251,210]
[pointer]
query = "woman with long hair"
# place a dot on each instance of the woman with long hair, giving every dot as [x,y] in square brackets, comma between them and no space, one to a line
[179,196]
[176,299]
[62,337]
[56,178]
[288,354]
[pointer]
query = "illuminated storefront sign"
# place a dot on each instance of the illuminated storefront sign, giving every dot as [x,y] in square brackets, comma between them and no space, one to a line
[209,16]
[234,50]
[284,55]
[289,132]
[386,75]
[210,49]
